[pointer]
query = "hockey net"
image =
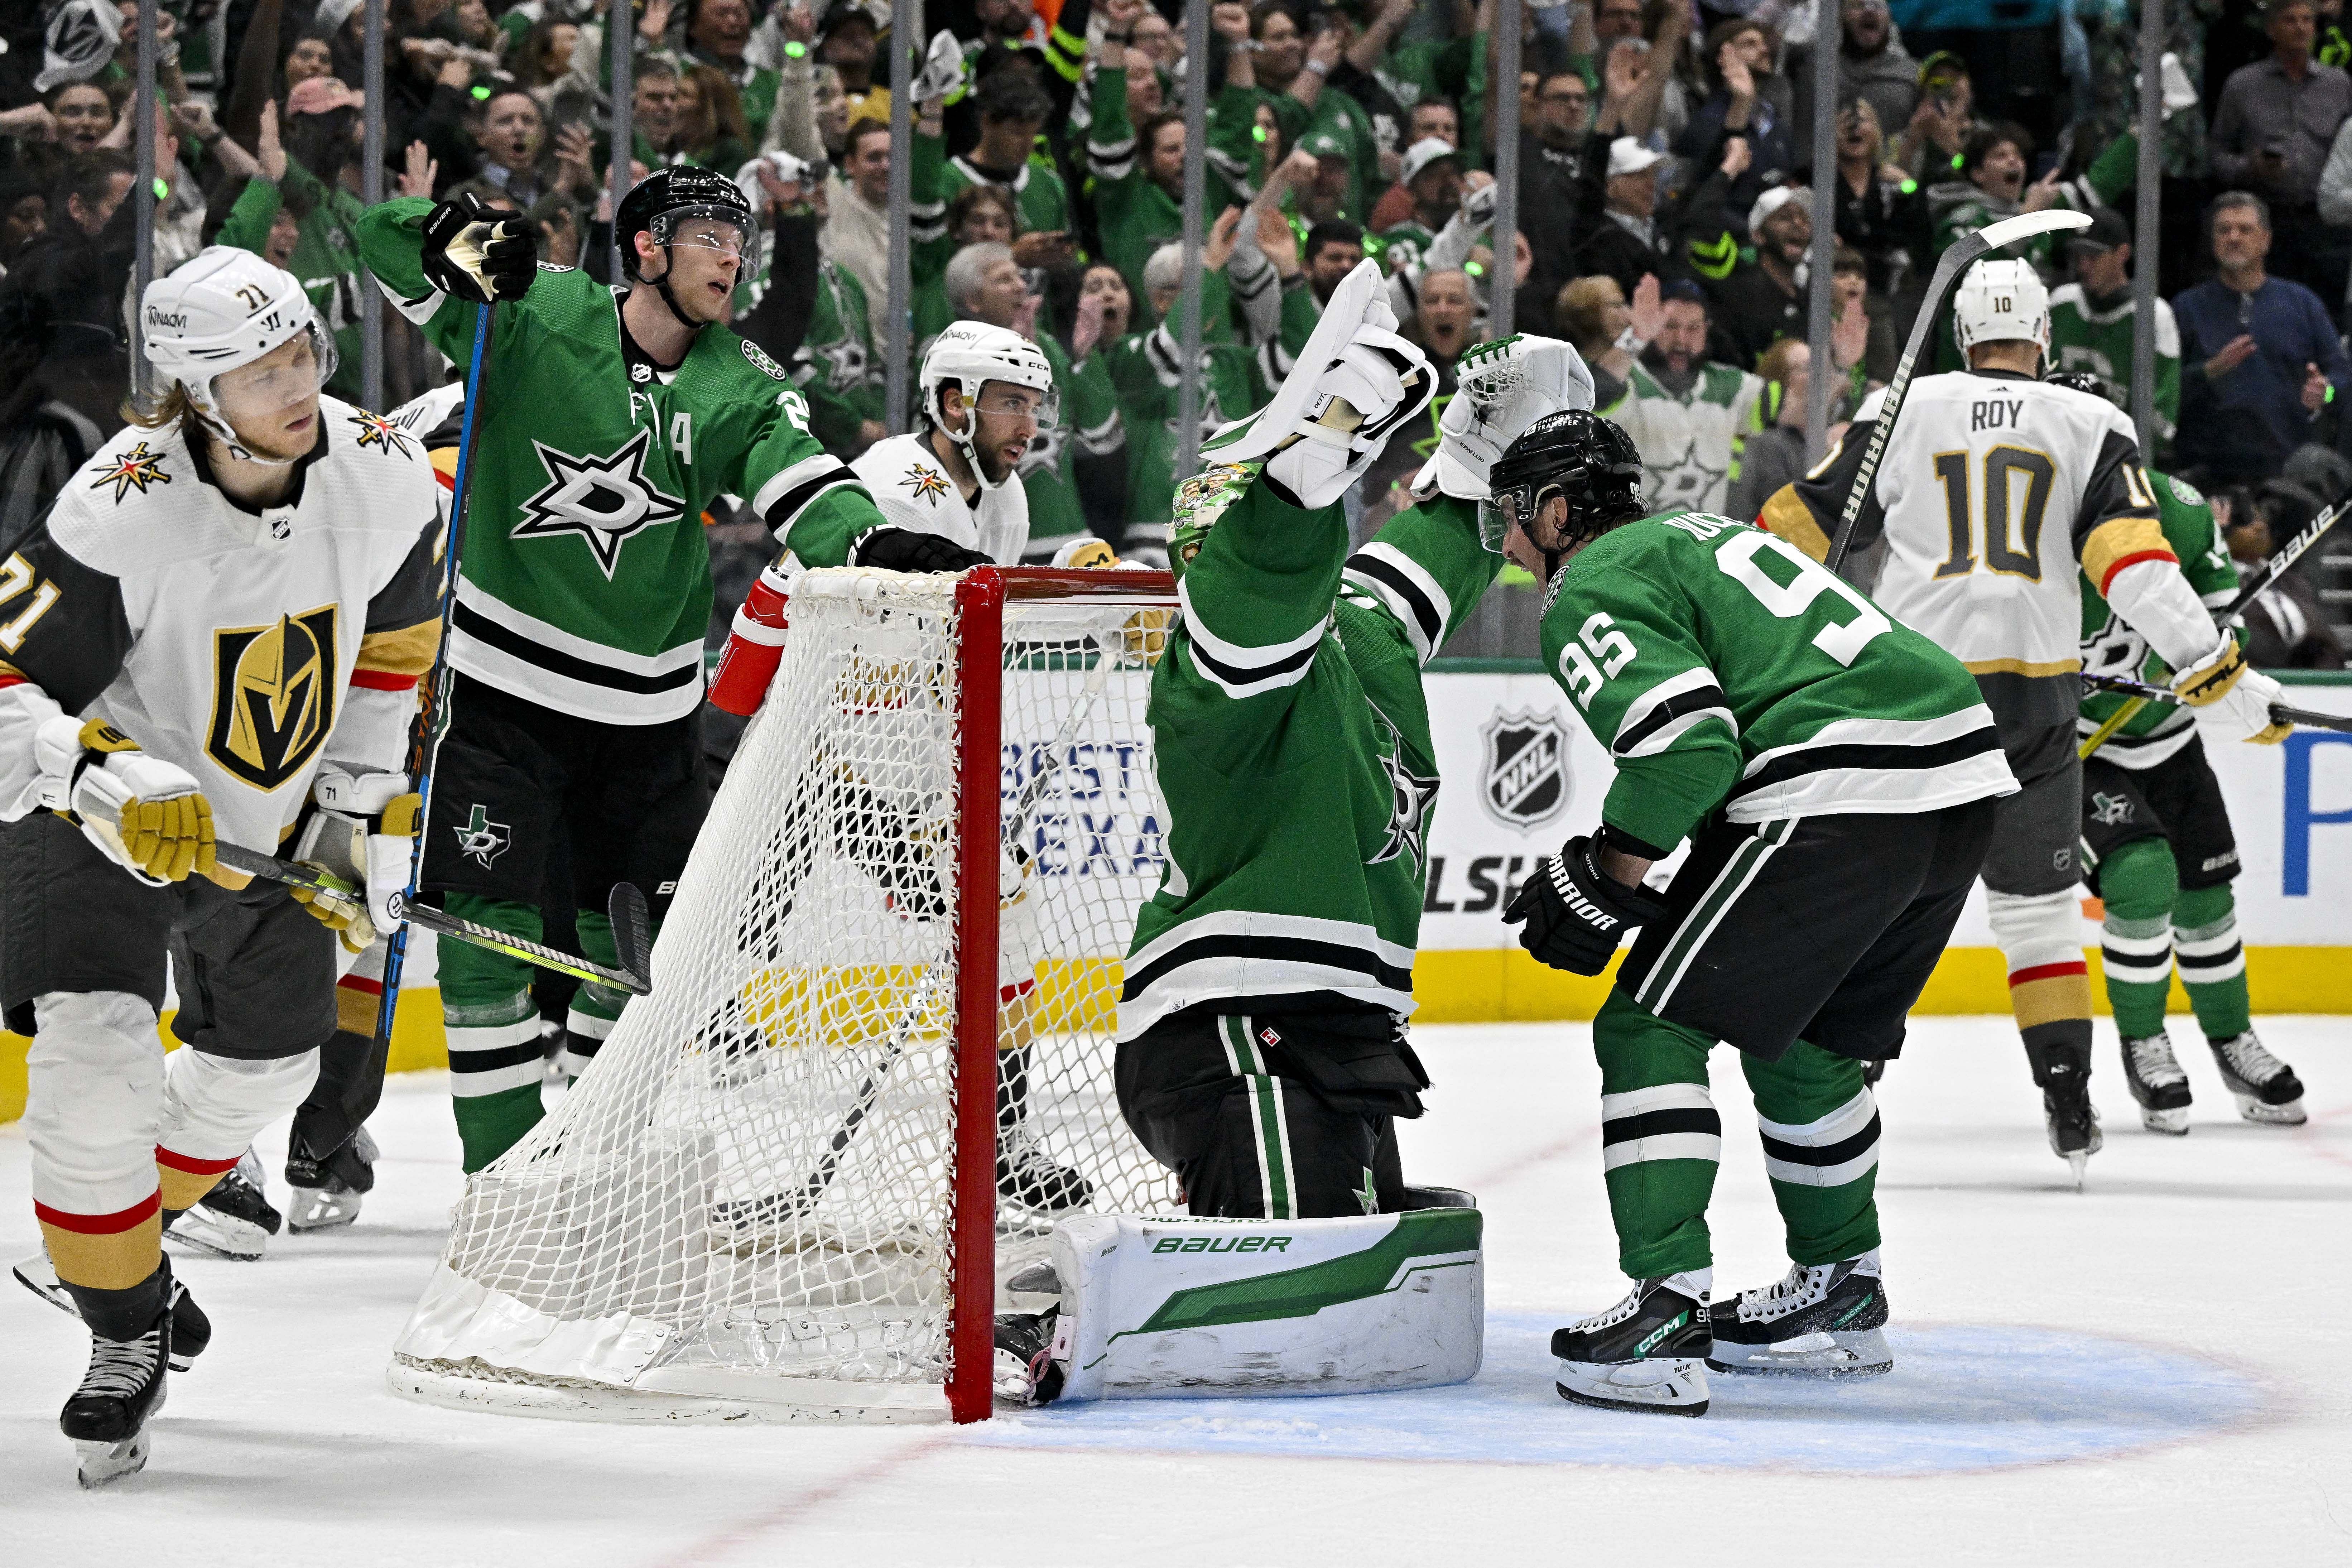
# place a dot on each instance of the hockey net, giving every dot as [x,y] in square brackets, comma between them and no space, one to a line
[880,1041]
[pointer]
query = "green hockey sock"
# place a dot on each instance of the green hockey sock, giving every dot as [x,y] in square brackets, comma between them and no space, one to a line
[594,1008]
[2138,884]
[1660,1138]
[1820,1123]
[495,1060]
[2212,962]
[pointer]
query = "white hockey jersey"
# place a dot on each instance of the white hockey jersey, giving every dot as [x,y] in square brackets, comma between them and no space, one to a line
[245,648]
[914,491]
[1993,487]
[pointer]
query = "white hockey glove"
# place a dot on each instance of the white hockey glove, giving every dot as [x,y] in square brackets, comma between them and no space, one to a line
[390,854]
[942,71]
[147,815]
[1353,385]
[2231,698]
[1478,204]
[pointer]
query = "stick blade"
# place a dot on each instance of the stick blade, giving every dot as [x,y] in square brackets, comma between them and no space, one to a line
[2025,226]
[633,936]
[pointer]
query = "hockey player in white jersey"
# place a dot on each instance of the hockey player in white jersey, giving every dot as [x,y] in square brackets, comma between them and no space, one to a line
[213,634]
[1993,489]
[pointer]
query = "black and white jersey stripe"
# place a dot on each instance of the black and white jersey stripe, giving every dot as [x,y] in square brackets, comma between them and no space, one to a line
[1238,670]
[1406,589]
[1670,709]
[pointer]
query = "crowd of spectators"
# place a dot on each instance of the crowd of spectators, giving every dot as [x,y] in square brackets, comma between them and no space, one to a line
[1666,202]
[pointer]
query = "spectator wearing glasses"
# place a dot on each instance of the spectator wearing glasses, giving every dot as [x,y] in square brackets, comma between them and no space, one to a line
[2260,355]
[2273,132]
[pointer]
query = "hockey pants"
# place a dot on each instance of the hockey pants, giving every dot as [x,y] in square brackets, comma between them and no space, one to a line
[1662,1140]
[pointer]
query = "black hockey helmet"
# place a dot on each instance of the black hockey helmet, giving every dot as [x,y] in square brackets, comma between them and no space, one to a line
[668,200]
[2080,380]
[1587,461]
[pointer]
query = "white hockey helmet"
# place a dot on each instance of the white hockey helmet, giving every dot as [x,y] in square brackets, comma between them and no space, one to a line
[219,311]
[1501,387]
[2001,301]
[971,353]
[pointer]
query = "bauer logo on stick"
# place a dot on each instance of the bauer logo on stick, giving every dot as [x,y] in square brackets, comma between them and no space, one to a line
[1524,781]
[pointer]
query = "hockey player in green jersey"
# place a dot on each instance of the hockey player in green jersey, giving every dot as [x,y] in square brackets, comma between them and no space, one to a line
[1836,774]
[2158,851]
[1261,1054]
[609,417]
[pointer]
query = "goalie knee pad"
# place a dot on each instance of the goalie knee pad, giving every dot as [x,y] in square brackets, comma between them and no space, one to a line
[1155,1308]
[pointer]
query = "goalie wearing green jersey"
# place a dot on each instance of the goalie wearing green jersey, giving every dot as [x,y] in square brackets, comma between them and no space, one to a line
[1836,774]
[608,418]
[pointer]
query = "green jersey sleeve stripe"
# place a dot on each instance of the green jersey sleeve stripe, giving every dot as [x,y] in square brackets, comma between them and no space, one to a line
[1258,657]
[783,497]
[1662,715]
[1408,593]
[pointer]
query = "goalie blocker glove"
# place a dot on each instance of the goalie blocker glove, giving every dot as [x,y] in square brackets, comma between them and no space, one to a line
[478,252]
[1575,912]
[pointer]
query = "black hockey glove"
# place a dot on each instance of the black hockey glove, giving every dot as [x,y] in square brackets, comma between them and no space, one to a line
[1575,912]
[478,252]
[904,550]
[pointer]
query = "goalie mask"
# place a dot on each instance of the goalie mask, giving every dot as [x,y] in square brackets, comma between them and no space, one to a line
[207,324]
[1503,388]
[968,356]
[2001,302]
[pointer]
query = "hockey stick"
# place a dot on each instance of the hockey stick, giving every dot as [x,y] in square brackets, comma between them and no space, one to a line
[820,1178]
[1956,261]
[434,722]
[2280,712]
[631,924]
[2264,581]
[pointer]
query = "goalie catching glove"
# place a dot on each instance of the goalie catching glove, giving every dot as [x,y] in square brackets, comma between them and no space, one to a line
[1575,912]
[2231,698]
[1354,384]
[478,252]
[145,814]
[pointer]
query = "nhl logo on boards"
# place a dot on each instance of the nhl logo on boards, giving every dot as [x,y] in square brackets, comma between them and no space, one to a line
[1523,779]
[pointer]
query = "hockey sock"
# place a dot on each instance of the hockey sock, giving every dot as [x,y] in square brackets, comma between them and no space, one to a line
[128,1313]
[2049,979]
[1660,1138]
[2138,884]
[1820,1123]
[594,1008]
[495,1062]
[2212,963]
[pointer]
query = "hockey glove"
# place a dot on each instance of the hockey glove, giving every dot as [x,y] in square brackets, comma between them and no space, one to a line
[755,646]
[1575,912]
[905,549]
[942,72]
[2231,698]
[478,252]
[391,809]
[146,815]
[347,917]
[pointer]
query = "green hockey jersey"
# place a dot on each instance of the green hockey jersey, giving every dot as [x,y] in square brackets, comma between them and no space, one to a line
[1725,670]
[324,259]
[2158,729]
[584,580]
[1146,371]
[1291,739]
[2084,336]
[1089,425]
[1037,192]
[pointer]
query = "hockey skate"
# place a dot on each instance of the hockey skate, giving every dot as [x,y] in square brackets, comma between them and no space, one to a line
[2158,1083]
[1027,1175]
[192,1331]
[234,1220]
[324,1192]
[1025,1372]
[1647,1353]
[2074,1121]
[1821,1320]
[108,1415]
[2266,1089]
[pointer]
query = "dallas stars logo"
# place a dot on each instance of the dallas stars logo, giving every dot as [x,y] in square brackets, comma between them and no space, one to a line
[135,469]
[1410,795]
[925,484]
[1684,480]
[482,840]
[605,502]
[382,434]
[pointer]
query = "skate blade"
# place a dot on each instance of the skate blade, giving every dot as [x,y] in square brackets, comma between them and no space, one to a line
[2174,1122]
[36,1275]
[1650,1387]
[104,1462]
[2078,1162]
[315,1208]
[1863,1354]
[2255,1110]
[219,1236]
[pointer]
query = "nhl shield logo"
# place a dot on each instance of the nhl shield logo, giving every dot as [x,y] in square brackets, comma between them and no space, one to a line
[1524,779]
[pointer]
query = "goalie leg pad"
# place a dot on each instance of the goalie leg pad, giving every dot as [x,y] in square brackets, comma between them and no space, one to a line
[1174,1308]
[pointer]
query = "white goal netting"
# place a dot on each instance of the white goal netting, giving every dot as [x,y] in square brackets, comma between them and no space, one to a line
[749,1196]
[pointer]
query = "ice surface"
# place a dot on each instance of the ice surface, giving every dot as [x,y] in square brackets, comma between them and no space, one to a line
[2154,1371]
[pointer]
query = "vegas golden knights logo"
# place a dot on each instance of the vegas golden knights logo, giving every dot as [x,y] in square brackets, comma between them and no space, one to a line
[273,696]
